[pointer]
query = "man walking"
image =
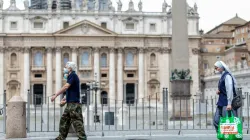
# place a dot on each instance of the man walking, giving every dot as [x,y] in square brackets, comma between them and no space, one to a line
[226,92]
[73,110]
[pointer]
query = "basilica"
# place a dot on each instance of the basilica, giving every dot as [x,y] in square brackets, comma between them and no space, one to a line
[127,51]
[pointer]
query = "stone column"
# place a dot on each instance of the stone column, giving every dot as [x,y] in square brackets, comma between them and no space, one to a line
[112,75]
[1,70]
[74,57]
[120,76]
[26,73]
[58,71]
[97,71]
[141,74]
[49,70]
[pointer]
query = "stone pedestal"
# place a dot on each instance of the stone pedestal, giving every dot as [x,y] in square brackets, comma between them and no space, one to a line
[181,100]
[16,119]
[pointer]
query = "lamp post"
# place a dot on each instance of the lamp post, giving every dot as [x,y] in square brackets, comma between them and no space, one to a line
[95,86]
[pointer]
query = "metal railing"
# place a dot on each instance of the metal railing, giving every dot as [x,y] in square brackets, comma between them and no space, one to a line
[152,113]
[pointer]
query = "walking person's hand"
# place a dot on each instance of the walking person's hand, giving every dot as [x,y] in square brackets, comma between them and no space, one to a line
[229,107]
[53,98]
[63,101]
[217,92]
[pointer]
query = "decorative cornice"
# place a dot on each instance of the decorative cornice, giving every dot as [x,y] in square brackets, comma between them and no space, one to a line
[195,51]
[165,50]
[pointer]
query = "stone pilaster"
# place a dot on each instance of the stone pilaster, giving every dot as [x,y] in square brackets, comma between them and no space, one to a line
[141,74]
[49,89]
[120,75]
[26,73]
[74,56]
[1,70]
[97,69]
[112,75]
[58,70]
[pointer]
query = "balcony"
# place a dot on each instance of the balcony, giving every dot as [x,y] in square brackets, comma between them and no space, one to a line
[85,67]
[130,68]
[38,68]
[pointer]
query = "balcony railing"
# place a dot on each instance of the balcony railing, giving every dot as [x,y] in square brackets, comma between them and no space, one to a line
[85,67]
[38,68]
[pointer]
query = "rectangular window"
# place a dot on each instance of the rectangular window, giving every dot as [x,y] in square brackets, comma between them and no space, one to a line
[38,75]
[104,75]
[13,25]
[65,25]
[130,26]
[130,75]
[152,27]
[38,25]
[205,66]
[104,25]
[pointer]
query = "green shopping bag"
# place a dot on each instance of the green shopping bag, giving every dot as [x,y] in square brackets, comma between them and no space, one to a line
[230,128]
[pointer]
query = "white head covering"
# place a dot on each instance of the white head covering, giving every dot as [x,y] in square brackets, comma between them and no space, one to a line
[221,64]
[71,65]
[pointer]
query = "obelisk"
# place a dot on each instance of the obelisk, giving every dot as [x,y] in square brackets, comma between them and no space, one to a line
[180,80]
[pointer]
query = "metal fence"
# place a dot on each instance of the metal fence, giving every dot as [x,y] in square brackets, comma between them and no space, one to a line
[147,114]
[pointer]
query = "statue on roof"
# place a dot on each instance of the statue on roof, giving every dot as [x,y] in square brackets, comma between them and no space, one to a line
[164,6]
[119,3]
[140,6]
[131,6]
[195,8]
[84,5]
[26,4]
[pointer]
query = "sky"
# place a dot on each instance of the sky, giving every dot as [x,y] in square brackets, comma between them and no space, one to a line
[211,12]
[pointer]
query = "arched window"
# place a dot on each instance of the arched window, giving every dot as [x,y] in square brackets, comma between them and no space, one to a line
[104,60]
[130,59]
[13,59]
[152,59]
[85,59]
[38,59]
[65,58]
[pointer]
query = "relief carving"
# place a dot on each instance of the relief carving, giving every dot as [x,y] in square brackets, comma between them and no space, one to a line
[195,51]
[58,49]
[120,50]
[111,49]
[26,50]
[49,49]
[165,50]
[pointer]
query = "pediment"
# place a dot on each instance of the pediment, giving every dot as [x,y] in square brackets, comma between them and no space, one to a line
[85,27]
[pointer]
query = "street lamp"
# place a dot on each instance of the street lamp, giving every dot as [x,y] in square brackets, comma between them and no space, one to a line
[95,86]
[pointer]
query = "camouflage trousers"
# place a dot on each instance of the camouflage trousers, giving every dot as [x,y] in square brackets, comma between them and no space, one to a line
[72,115]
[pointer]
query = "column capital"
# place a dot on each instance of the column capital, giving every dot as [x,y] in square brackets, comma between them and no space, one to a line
[74,49]
[58,48]
[141,50]
[96,49]
[111,49]
[165,50]
[120,50]
[49,49]
[195,51]
[2,49]
[26,49]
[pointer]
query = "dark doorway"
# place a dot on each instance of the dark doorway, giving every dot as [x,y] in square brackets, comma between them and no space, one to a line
[130,93]
[104,98]
[38,94]
[84,93]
